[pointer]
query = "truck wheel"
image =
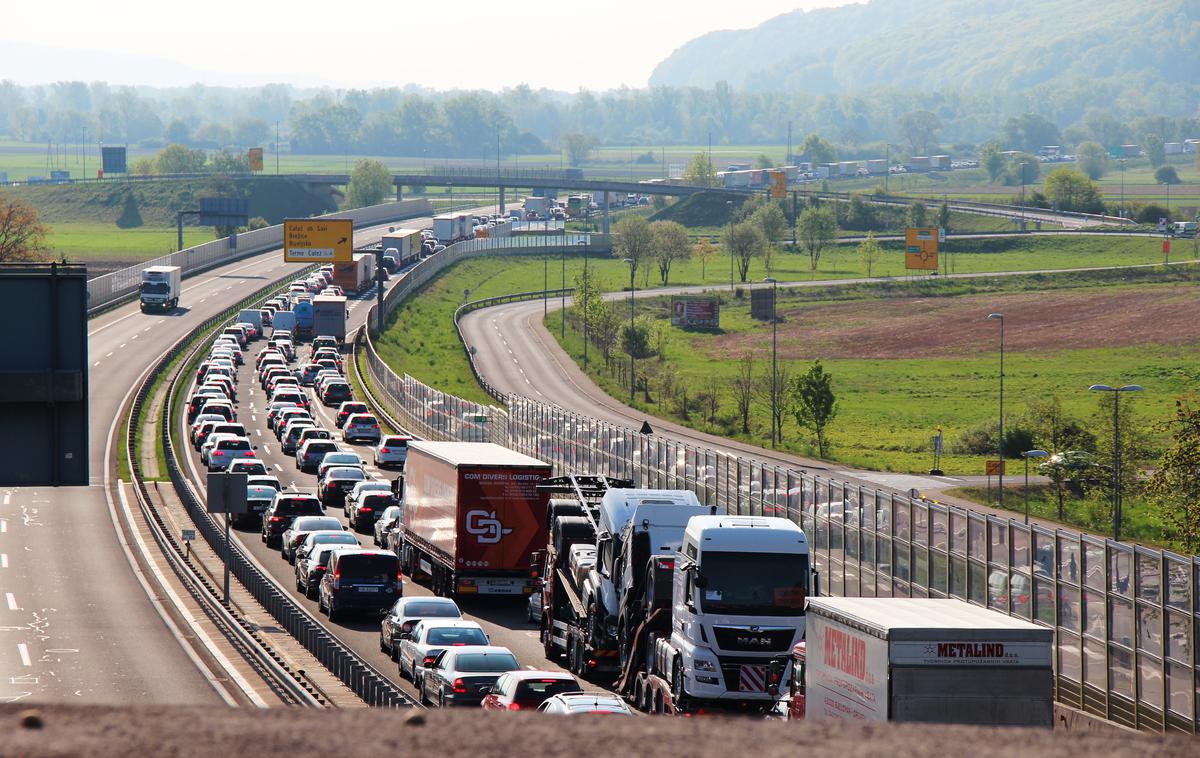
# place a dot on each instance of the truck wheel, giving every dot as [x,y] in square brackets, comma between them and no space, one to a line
[677,693]
[548,646]
[639,694]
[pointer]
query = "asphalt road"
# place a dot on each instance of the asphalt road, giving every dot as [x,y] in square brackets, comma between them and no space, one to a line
[504,620]
[76,624]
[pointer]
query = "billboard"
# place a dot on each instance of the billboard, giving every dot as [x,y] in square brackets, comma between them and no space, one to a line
[778,185]
[326,240]
[224,211]
[921,248]
[255,159]
[112,160]
[702,312]
[762,303]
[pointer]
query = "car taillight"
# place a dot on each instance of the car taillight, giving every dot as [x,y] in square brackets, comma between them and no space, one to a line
[428,661]
[459,687]
[374,426]
[514,706]
[365,509]
[276,519]
[384,450]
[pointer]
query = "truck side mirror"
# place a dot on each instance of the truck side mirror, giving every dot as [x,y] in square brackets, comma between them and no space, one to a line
[700,581]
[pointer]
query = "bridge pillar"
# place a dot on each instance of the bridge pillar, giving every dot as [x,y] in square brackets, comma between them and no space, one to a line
[399,192]
[502,200]
[606,227]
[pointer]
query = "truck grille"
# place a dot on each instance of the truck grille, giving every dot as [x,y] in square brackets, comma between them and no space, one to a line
[742,639]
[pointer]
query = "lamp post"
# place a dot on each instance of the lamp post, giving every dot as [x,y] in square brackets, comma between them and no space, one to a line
[1122,187]
[1027,455]
[631,313]
[1000,441]
[1116,461]
[730,226]
[1168,186]
[1023,165]
[774,344]
[563,333]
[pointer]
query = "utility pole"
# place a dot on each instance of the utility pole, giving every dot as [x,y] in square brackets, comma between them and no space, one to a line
[277,147]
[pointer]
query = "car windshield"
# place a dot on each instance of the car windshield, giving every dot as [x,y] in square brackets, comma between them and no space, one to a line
[753,584]
[233,445]
[426,609]
[315,523]
[340,538]
[485,663]
[455,636]
[345,472]
[319,446]
[156,288]
[534,691]
[342,459]
[296,506]
[369,567]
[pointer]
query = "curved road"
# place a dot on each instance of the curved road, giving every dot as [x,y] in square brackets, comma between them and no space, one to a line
[77,622]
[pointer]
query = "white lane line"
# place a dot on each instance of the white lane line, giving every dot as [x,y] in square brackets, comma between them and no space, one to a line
[97,363]
[135,336]
[278,467]
[3,525]
[11,599]
[7,498]
[258,432]
[23,651]
[123,344]
[3,560]
[109,355]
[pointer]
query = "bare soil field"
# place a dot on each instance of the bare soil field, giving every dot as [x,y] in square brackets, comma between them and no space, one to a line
[953,327]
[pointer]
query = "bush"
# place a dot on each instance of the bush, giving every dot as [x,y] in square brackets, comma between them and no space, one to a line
[981,440]
[258,222]
[1151,213]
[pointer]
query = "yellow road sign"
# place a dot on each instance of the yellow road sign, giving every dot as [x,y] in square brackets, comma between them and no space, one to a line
[778,185]
[921,248]
[995,468]
[255,159]
[311,240]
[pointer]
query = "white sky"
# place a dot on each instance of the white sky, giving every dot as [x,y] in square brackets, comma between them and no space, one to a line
[364,43]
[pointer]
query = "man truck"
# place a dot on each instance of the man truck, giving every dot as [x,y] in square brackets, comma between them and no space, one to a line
[329,316]
[357,275]
[921,660]
[160,288]
[688,609]
[472,517]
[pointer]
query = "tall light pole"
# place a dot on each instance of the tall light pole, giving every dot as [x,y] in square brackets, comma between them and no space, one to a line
[1000,442]
[564,290]
[1023,165]
[1122,187]
[1027,455]
[1116,461]
[1168,186]
[774,374]
[631,311]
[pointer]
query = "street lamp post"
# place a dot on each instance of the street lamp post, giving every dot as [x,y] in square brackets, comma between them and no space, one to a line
[1023,165]
[1000,441]
[1122,187]
[774,344]
[1027,455]
[564,291]
[631,313]
[1116,461]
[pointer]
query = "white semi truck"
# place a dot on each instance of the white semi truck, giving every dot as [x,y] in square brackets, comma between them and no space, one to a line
[921,660]
[698,610]
[160,287]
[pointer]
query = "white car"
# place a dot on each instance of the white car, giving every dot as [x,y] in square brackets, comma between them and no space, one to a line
[407,613]
[586,702]
[431,635]
[227,450]
[392,451]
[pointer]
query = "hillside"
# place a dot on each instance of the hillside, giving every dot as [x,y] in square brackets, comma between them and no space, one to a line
[1006,45]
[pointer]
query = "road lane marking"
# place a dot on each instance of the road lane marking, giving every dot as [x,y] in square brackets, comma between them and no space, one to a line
[108,356]
[3,525]
[3,560]
[23,651]
[7,498]
[11,599]
[278,467]
[123,344]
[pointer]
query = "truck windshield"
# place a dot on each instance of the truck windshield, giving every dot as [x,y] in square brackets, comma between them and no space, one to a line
[156,288]
[753,584]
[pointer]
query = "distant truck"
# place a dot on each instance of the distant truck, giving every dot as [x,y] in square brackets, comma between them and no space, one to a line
[355,276]
[283,321]
[160,288]
[921,660]
[329,316]
[472,517]
[538,205]
[449,228]
[303,311]
[253,317]
[407,244]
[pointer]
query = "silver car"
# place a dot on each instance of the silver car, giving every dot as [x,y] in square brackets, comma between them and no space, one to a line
[361,426]
[392,451]
[407,612]
[300,529]
[433,635]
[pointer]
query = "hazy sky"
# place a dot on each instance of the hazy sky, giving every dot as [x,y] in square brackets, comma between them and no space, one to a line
[365,43]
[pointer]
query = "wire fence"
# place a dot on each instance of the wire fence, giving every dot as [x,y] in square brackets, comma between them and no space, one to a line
[1126,618]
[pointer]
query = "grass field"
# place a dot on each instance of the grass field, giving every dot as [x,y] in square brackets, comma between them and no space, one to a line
[104,242]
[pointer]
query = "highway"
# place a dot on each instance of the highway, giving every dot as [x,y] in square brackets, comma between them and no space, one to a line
[82,620]
[504,620]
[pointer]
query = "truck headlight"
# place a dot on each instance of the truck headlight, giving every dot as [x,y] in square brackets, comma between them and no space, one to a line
[703,665]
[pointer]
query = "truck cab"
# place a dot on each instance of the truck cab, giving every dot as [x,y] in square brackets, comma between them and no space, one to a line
[739,589]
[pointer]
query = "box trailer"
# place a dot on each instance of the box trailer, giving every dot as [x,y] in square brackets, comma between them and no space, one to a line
[921,660]
[472,517]
[407,243]
[161,287]
[939,162]
[329,316]
[357,275]
[877,166]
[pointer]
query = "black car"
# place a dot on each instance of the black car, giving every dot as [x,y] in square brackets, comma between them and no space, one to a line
[360,580]
[283,511]
[368,508]
[464,675]
[337,483]
[336,393]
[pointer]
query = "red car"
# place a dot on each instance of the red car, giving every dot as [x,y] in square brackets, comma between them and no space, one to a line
[526,690]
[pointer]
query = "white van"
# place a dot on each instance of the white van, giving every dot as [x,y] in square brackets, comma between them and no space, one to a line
[1184,229]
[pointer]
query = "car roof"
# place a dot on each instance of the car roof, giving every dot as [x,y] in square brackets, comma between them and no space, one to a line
[540,674]
[581,700]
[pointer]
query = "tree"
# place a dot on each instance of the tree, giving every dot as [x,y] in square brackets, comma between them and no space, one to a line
[705,250]
[228,162]
[130,216]
[744,385]
[177,159]
[710,396]
[1133,440]
[816,150]
[1022,165]
[920,128]
[1055,432]
[22,233]
[700,171]
[918,214]
[943,217]
[142,166]
[771,219]
[859,213]
[1072,190]
[1174,485]
[370,183]
[251,132]
[744,241]
[764,161]
[1092,159]
[1155,150]
[1029,132]
[604,324]
[1166,175]
[814,405]
[635,241]
[816,229]
[670,244]
[178,131]
[992,160]
[869,253]
[578,146]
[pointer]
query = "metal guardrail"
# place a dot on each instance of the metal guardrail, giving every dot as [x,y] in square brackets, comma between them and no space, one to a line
[1126,618]
[367,682]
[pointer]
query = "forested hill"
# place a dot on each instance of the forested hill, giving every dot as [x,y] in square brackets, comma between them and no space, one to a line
[999,45]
